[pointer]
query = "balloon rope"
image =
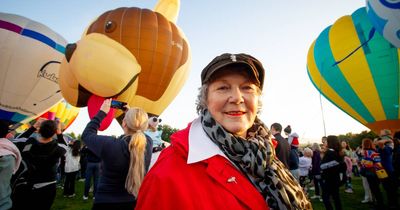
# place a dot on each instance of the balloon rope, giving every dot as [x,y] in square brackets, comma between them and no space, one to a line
[371,35]
[320,101]
[322,111]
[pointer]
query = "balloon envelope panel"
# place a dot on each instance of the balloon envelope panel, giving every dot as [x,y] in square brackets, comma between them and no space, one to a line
[30,55]
[132,55]
[357,70]
[159,47]
[385,16]
[64,112]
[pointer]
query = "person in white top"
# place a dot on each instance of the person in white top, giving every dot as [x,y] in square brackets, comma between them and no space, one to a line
[155,134]
[305,166]
[72,167]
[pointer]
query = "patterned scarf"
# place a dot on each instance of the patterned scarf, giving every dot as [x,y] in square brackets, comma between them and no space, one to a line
[255,157]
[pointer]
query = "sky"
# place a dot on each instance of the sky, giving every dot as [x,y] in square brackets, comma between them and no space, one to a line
[278,33]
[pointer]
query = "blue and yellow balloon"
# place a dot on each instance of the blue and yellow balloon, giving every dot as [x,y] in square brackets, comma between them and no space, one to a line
[358,71]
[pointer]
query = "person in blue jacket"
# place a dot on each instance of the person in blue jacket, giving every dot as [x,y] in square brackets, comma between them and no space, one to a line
[385,151]
[124,160]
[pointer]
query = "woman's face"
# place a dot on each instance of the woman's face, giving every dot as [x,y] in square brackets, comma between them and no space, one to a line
[324,142]
[232,100]
[344,144]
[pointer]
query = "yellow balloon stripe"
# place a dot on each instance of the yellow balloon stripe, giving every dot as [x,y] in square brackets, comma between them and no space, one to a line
[65,112]
[54,108]
[72,112]
[326,89]
[358,73]
[60,110]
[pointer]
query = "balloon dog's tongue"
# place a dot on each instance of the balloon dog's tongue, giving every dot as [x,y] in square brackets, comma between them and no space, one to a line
[94,104]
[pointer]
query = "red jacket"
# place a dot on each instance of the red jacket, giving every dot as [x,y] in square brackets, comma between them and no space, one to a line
[213,183]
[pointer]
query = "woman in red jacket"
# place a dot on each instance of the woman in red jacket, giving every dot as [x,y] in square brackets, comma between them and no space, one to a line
[225,158]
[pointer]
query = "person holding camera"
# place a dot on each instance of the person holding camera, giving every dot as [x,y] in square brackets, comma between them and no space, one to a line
[124,160]
[41,154]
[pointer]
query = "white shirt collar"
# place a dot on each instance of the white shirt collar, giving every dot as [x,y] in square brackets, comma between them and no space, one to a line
[200,145]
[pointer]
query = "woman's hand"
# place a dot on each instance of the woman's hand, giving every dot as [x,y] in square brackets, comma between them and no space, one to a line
[38,122]
[126,108]
[59,127]
[105,107]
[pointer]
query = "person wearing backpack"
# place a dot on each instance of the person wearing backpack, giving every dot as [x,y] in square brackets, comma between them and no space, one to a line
[41,156]
[10,158]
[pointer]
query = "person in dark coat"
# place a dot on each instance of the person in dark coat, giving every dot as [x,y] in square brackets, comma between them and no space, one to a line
[124,160]
[92,171]
[293,140]
[316,170]
[283,148]
[332,165]
[42,154]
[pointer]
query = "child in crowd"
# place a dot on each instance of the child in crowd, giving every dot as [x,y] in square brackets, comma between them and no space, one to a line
[304,167]
[72,167]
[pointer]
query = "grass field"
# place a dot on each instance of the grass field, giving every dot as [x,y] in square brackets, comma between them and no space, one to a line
[349,201]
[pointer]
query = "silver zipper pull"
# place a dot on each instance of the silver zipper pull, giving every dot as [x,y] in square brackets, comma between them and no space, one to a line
[232,179]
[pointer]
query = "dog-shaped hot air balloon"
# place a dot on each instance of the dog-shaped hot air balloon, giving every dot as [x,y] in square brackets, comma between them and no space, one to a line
[133,55]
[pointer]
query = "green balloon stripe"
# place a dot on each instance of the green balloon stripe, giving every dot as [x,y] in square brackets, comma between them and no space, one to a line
[333,75]
[383,61]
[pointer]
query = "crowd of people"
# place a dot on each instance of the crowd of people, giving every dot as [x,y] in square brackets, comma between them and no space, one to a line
[325,167]
[227,158]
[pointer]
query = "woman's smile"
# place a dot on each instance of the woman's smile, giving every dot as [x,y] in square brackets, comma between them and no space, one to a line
[232,100]
[235,113]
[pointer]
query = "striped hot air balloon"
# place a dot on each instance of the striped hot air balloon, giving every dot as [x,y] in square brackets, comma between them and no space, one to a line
[357,70]
[30,55]
[64,112]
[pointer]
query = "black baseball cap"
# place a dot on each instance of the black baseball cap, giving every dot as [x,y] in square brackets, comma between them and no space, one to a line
[226,59]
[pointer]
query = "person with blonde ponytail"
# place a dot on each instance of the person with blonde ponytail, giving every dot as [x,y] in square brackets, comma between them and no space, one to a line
[124,160]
